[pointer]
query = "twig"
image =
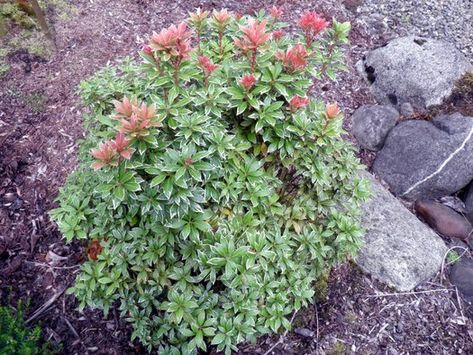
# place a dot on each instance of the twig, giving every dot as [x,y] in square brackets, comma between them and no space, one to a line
[409,293]
[459,303]
[445,256]
[45,306]
[71,328]
[51,267]
[317,330]
[281,338]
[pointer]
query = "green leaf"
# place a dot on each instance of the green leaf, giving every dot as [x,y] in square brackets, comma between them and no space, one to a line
[218,339]
[158,180]
[105,280]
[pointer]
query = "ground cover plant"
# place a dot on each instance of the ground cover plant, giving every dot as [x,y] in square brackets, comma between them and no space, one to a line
[212,191]
[16,337]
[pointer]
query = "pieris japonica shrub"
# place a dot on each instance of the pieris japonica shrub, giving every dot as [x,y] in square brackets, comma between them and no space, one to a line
[213,192]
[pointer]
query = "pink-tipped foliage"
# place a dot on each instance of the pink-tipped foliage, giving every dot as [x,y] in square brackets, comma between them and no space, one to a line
[294,59]
[248,81]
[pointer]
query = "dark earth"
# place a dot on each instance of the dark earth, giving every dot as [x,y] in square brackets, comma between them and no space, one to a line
[40,124]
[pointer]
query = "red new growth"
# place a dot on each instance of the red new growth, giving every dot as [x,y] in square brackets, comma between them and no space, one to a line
[248,81]
[124,108]
[332,111]
[294,59]
[188,161]
[147,50]
[105,155]
[120,144]
[145,112]
[198,16]
[135,126]
[277,34]
[254,35]
[221,17]
[312,24]
[173,40]
[298,102]
[276,12]
[206,64]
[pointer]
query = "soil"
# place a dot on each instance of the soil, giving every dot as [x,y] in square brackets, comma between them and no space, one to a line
[40,125]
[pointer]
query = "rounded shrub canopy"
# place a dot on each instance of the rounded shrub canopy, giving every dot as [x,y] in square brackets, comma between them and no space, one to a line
[212,190]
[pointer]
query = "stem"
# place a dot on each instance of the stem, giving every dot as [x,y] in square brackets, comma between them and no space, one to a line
[220,39]
[308,39]
[329,57]
[41,19]
[199,50]
[253,61]
[325,65]
[158,65]
[177,66]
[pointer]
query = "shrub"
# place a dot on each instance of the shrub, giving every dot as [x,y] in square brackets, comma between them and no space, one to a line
[15,337]
[219,191]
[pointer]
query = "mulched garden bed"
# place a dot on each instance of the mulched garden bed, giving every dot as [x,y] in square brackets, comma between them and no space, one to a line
[40,123]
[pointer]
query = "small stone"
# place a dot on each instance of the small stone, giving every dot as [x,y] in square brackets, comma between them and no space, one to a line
[306,333]
[444,220]
[406,109]
[372,123]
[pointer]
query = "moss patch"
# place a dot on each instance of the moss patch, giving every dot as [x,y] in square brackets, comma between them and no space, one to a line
[4,66]
[19,28]
[464,87]
[321,288]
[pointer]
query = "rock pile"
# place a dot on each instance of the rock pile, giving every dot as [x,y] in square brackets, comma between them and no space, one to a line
[419,160]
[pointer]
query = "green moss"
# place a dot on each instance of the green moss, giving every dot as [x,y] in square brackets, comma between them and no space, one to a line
[339,348]
[351,318]
[10,10]
[464,86]
[18,29]
[63,10]
[34,42]
[321,288]
[4,67]
[453,257]
[35,101]
[3,27]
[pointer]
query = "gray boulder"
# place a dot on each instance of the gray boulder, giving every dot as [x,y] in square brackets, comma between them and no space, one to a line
[422,159]
[417,70]
[371,124]
[399,250]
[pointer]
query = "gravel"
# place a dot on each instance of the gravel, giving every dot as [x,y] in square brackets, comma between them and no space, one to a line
[450,20]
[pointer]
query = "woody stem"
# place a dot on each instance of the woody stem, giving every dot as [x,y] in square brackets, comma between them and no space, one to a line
[329,58]
[253,60]
[177,65]
[220,39]
[198,43]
